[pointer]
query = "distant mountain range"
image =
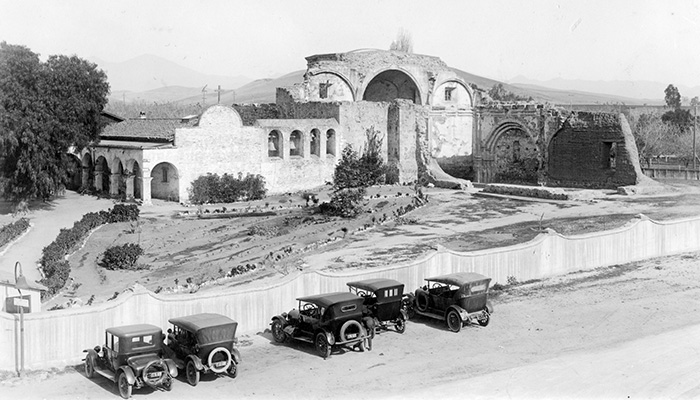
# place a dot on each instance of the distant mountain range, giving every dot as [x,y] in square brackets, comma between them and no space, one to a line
[153,79]
[148,72]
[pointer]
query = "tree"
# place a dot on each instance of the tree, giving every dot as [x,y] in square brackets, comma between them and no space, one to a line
[677,116]
[403,42]
[673,97]
[45,109]
[499,93]
[654,137]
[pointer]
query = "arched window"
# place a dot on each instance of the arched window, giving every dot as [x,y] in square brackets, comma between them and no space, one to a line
[330,142]
[315,142]
[273,144]
[296,146]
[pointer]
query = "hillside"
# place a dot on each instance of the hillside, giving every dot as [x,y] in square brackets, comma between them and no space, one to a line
[264,91]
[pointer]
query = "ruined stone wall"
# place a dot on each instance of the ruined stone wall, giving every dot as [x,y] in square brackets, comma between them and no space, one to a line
[407,128]
[593,150]
[251,112]
[357,117]
[498,126]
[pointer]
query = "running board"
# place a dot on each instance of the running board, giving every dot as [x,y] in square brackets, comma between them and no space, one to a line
[106,373]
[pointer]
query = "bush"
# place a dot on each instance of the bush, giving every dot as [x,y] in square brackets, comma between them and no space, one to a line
[211,188]
[13,230]
[54,266]
[121,257]
[344,203]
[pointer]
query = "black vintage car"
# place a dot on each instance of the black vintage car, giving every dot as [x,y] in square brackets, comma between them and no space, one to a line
[457,299]
[326,320]
[383,302]
[132,356]
[203,343]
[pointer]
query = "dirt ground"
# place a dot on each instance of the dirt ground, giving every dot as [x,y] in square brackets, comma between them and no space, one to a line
[185,254]
[620,332]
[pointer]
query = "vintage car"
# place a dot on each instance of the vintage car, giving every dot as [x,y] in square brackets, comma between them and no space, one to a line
[203,343]
[132,356]
[383,302]
[457,298]
[326,320]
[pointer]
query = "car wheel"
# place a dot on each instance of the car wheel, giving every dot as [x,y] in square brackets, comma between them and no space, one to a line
[322,346]
[400,325]
[192,373]
[124,386]
[219,356]
[454,321]
[351,327]
[233,370]
[422,301]
[89,368]
[278,331]
[484,319]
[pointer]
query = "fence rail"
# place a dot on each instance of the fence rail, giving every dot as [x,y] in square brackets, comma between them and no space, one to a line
[57,338]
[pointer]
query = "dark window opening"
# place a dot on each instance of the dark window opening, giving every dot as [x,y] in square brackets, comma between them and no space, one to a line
[448,93]
[609,155]
[323,89]
[165,174]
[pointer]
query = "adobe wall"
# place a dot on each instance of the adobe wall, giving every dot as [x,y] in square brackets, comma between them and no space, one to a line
[593,150]
[221,144]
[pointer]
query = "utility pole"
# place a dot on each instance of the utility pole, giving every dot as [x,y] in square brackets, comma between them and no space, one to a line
[218,95]
[695,130]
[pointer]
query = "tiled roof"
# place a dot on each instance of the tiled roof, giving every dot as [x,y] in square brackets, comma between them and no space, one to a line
[153,129]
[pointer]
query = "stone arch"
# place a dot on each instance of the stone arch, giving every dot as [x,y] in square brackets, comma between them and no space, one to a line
[515,156]
[330,142]
[88,170]
[274,144]
[117,183]
[102,175]
[134,180]
[461,95]
[165,182]
[74,170]
[392,84]
[335,94]
[296,144]
[315,143]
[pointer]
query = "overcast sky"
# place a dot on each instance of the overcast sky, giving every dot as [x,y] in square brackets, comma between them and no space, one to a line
[593,40]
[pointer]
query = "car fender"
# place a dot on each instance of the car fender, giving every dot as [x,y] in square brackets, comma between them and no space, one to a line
[126,370]
[281,317]
[91,354]
[196,360]
[172,367]
[404,314]
[236,355]
[489,307]
[462,312]
[329,336]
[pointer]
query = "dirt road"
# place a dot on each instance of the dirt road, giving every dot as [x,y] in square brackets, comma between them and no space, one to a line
[611,333]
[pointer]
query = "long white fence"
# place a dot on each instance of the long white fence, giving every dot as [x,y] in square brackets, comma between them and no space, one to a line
[57,338]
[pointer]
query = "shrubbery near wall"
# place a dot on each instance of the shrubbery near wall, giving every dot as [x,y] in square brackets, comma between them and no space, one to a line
[211,188]
[53,263]
[527,191]
[13,230]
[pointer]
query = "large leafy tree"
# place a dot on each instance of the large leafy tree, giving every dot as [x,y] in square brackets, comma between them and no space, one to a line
[45,109]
